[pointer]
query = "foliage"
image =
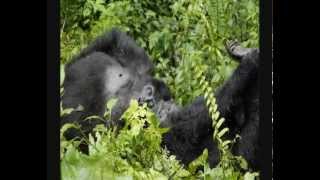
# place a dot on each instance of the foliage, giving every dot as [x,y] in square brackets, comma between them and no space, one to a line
[133,153]
[185,40]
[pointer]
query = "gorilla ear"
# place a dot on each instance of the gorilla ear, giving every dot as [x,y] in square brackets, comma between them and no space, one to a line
[148,91]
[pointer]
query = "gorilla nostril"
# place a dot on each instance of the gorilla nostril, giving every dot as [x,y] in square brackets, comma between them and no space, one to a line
[120,75]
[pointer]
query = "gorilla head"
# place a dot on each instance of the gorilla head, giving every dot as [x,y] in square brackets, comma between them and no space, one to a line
[113,66]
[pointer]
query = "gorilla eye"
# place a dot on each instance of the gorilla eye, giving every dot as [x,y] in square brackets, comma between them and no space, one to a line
[120,75]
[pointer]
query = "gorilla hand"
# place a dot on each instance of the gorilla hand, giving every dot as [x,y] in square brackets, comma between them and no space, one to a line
[242,54]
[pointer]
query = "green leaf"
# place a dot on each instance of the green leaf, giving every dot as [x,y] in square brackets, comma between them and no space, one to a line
[198,74]
[111,103]
[79,108]
[213,100]
[222,132]
[200,161]
[219,123]
[208,103]
[150,13]
[163,130]
[215,116]
[62,74]
[210,109]
[86,12]
[250,176]
[243,163]
[206,95]
[66,111]
[215,107]
[215,173]
[94,117]
[219,54]
[67,126]
[224,143]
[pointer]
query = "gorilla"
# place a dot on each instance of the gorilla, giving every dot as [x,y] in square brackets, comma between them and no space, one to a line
[114,66]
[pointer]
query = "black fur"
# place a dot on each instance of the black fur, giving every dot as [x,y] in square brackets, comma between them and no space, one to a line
[114,66]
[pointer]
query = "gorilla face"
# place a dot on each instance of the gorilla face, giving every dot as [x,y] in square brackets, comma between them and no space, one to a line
[158,98]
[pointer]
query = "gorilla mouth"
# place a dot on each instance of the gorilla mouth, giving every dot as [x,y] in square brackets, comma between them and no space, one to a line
[150,102]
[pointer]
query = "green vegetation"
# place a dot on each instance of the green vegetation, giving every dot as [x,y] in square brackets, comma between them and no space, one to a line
[185,40]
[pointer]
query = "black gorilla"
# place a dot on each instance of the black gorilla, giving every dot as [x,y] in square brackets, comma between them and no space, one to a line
[114,66]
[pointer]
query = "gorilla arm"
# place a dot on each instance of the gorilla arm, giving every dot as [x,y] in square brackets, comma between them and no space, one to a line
[191,127]
[228,95]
